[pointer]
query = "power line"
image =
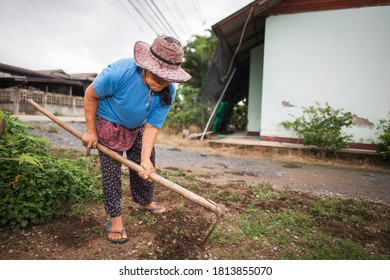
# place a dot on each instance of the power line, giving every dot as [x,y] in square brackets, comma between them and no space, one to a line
[176,6]
[154,18]
[162,15]
[175,18]
[165,28]
[131,15]
[132,4]
[162,23]
[199,12]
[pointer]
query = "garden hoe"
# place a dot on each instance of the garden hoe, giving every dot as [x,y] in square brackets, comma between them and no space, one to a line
[217,209]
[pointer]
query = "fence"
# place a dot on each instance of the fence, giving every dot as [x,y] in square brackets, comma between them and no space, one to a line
[14,101]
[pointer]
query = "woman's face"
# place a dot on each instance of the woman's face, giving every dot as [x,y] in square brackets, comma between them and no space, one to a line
[154,82]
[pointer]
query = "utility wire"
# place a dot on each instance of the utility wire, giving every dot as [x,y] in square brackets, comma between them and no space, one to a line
[151,27]
[165,28]
[162,15]
[173,15]
[131,16]
[183,19]
[149,15]
[199,13]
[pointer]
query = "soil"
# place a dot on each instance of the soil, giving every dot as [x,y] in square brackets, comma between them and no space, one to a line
[177,234]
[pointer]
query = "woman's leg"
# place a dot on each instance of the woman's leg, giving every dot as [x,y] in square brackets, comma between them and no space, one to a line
[141,190]
[112,192]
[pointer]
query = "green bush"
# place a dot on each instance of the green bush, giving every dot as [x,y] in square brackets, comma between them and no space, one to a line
[33,185]
[186,110]
[383,133]
[322,127]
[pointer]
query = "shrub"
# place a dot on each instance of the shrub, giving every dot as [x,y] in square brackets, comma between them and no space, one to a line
[322,127]
[186,110]
[383,133]
[33,185]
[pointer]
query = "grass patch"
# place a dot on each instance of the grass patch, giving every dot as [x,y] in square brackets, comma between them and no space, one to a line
[177,175]
[346,211]
[263,191]
[282,228]
[284,224]
[321,246]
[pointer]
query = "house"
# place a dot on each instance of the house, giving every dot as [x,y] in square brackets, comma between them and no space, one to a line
[55,81]
[291,54]
[55,90]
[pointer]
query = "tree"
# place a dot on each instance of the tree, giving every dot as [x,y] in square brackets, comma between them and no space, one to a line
[187,109]
[198,55]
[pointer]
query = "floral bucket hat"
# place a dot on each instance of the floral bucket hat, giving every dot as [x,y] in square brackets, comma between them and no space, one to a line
[162,58]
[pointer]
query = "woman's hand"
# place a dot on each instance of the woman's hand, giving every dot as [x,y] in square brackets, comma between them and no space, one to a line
[89,140]
[148,170]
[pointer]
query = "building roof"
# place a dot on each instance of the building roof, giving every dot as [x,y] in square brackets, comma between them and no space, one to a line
[252,17]
[11,74]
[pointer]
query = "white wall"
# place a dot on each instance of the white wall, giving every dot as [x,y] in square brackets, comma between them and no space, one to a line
[255,88]
[341,57]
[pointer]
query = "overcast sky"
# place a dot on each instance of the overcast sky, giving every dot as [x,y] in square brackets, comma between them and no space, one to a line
[81,36]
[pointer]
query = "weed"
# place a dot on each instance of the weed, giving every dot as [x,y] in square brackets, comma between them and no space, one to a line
[263,191]
[52,129]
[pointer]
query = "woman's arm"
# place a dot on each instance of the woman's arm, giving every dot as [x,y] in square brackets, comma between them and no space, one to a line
[148,140]
[91,99]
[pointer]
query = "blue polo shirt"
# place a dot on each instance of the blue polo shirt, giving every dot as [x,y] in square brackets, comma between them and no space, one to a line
[125,99]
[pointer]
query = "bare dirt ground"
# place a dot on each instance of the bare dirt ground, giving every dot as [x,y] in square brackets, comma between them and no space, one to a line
[219,174]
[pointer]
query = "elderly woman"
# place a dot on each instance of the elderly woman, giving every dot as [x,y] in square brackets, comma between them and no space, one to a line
[125,107]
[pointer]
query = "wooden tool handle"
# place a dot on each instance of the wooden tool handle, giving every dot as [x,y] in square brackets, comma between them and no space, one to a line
[218,209]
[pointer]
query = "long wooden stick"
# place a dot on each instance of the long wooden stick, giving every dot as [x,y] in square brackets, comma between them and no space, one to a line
[218,209]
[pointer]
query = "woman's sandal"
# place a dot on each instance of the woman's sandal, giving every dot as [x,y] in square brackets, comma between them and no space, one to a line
[153,210]
[109,230]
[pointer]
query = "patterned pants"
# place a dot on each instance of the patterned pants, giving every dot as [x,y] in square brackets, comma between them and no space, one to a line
[142,191]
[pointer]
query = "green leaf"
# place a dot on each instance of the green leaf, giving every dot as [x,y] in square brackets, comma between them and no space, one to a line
[29,159]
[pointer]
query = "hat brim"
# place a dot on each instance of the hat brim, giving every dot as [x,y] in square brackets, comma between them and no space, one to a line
[144,58]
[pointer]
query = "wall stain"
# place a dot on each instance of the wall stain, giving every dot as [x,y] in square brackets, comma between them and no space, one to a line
[362,122]
[287,104]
